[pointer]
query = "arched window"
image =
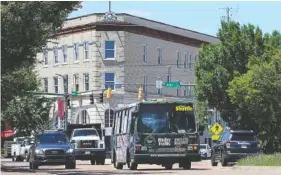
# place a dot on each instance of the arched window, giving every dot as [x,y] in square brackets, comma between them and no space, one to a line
[83,117]
[108,119]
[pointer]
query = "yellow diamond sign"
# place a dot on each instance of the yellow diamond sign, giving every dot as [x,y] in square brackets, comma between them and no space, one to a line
[215,137]
[216,129]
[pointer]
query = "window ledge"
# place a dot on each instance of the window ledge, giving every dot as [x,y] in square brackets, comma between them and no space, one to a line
[65,63]
[56,64]
[85,61]
[46,65]
[76,61]
[110,59]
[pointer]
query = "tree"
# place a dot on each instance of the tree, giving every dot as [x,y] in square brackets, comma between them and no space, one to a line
[26,28]
[29,113]
[219,63]
[259,93]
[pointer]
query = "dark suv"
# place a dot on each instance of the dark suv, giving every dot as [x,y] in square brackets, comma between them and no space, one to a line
[233,145]
[52,148]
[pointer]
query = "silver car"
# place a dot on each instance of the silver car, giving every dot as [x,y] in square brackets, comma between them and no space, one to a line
[205,151]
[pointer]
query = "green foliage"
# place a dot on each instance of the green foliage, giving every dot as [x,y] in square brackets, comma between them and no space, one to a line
[26,28]
[201,113]
[16,83]
[261,160]
[29,113]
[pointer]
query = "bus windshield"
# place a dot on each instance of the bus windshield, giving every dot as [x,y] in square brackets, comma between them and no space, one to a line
[163,118]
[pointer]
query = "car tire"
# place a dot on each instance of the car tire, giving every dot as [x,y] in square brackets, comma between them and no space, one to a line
[187,165]
[169,166]
[102,161]
[33,166]
[133,166]
[213,162]
[71,165]
[93,162]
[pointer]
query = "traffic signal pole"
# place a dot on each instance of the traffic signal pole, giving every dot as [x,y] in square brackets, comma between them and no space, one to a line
[66,96]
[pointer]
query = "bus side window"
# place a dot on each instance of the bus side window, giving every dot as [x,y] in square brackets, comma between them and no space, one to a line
[125,121]
[133,120]
[117,123]
[114,123]
[120,121]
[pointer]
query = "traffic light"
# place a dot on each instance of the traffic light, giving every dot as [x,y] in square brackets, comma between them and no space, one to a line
[101,97]
[92,99]
[67,100]
[140,96]
[108,94]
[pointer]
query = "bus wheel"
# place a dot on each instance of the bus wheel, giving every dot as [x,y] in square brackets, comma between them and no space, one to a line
[133,166]
[168,166]
[187,165]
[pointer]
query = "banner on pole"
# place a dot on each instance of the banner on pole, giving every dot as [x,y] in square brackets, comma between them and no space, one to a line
[60,107]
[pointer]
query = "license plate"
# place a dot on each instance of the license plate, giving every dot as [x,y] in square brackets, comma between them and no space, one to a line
[87,152]
[244,146]
[54,152]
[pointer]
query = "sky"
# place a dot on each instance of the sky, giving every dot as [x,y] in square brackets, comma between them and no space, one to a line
[201,16]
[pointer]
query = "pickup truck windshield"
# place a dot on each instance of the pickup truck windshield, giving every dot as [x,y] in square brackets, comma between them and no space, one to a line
[85,132]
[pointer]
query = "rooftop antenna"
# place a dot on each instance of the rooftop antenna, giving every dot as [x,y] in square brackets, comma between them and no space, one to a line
[109,4]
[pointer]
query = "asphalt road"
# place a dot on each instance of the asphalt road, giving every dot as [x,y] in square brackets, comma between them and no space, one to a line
[85,168]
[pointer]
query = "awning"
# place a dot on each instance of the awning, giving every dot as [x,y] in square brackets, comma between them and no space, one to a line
[7,133]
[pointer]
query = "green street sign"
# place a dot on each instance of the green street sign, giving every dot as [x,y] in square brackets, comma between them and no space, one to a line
[172,84]
[74,93]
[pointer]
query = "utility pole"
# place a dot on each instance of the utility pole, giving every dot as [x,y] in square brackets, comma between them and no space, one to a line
[228,14]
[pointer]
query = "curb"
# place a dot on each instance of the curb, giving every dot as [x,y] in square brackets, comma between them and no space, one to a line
[258,168]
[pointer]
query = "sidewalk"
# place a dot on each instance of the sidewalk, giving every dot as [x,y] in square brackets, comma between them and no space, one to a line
[259,168]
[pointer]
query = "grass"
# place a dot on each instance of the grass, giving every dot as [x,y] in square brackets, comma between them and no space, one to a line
[261,160]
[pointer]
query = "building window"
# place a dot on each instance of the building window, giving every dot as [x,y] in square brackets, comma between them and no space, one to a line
[86,50]
[178,91]
[168,77]
[64,52]
[109,80]
[160,57]
[45,84]
[190,89]
[190,62]
[55,55]
[144,53]
[84,117]
[178,60]
[185,90]
[109,51]
[45,56]
[159,91]
[76,82]
[56,86]
[145,84]
[65,83]
[76,51]
[86,82]
[185,60]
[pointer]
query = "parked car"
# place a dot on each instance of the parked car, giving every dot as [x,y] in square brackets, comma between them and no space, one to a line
[52,148]
[205,151]
[233,145]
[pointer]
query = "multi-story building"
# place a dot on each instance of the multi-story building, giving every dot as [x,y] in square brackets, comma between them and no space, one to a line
[123,52]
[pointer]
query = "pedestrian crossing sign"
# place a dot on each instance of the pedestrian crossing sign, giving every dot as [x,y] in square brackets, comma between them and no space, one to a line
[216,129]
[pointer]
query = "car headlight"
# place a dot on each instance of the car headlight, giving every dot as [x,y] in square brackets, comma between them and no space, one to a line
[71,150]
[39,151]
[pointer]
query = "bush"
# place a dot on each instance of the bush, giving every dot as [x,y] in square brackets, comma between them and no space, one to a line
[261,160]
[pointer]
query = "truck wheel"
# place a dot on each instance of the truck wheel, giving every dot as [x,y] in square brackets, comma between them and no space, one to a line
[169,166]
[213,162]
[93,162]
[119,166]
[70,165]
[102,161]
[26,157]
[187,165]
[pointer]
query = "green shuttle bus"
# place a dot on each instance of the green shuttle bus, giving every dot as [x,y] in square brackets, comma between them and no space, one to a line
[155,132]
